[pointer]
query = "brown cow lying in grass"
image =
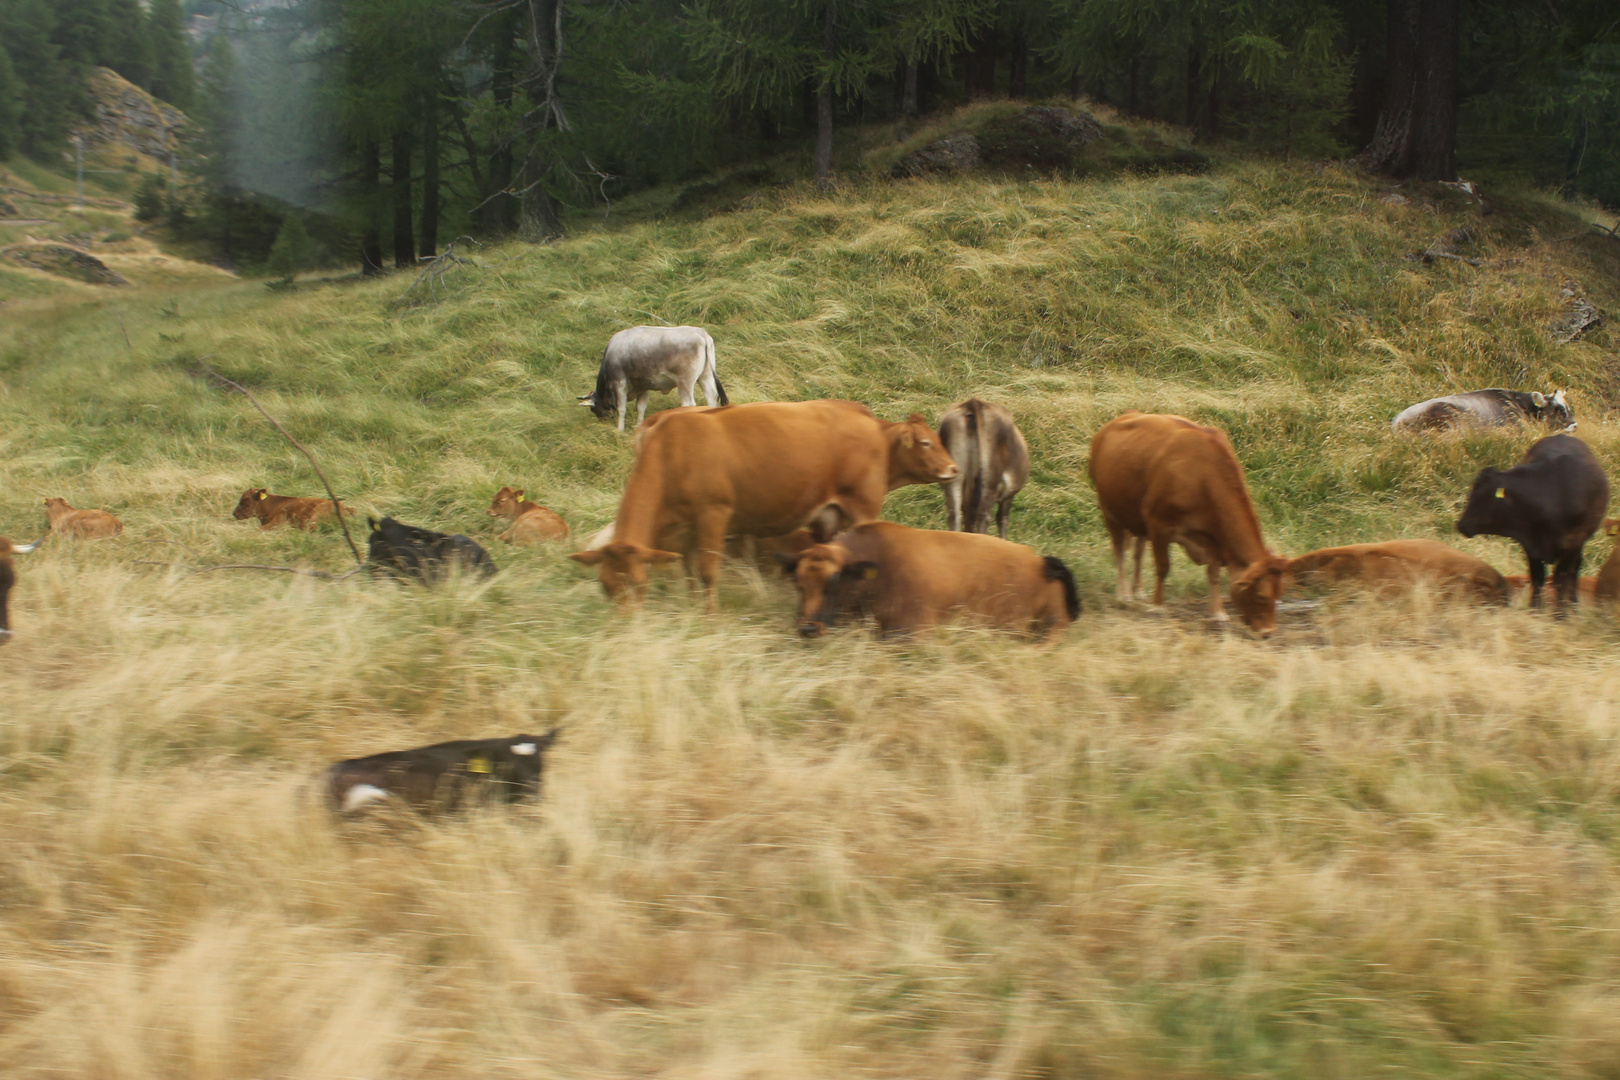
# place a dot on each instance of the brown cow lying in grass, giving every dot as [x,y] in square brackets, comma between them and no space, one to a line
[443,777]
[915,579]
[531,522]
[82,524]
[1397,564]
[273,510]
[8,578]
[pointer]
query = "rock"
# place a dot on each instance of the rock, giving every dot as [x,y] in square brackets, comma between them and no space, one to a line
[953,153]
[1580,315]
[67,262]
[1077,128]
[129,116]
[1394,199]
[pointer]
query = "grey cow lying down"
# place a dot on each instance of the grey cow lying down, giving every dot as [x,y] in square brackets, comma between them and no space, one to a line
[443,777]
[1488,408]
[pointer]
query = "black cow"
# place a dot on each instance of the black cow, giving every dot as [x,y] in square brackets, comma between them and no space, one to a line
[428,556]
[1487,408]
[444,776]
[8,578]
[1551,502]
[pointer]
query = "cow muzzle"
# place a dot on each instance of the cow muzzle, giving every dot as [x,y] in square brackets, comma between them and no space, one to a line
[809,630]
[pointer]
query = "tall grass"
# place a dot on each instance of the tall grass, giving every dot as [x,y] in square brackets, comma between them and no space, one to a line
[1384,841]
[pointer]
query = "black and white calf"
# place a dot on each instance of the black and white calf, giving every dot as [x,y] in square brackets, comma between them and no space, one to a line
[427,556]
[1488,408]
[443,777]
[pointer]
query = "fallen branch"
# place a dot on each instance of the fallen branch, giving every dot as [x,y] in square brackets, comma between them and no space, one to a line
[195,570]
[337,507]
[438,266]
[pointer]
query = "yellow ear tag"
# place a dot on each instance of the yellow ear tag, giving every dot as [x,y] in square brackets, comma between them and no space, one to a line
[869,573]
[478,765]
[1501,493]
[263,495]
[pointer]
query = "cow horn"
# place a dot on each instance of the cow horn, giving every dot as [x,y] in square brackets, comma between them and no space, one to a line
[24,549]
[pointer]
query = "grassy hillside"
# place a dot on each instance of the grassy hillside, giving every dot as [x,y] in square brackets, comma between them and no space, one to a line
[1385,840]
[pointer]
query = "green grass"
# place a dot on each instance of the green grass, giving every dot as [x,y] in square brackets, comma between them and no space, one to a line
[1384,841]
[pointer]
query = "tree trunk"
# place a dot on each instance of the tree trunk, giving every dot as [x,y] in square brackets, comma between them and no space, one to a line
[428,234]
[1194,70]
[542,217]
[1132,95]
[908,93]
[1077,84]
[1417,125]
[1212,116]
[497,212]
[984,59]
[404,243]
[370,189]
[1018,66]
[824,99]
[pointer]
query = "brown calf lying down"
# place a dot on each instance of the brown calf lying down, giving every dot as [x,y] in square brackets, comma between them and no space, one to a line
[8,578]
[273,510]
[84,524]
[915,579]
[1165,480]
[444,776]
[1400,564]
[531,522]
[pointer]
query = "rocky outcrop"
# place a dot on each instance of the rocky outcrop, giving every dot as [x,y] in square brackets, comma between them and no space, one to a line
[1036,137]
[128,116]
[953,153]
[1580,315]
[66,262]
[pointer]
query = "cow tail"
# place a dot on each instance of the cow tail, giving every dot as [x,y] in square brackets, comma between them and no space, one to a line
[1057,571]
[981,465]
[714,369]
[600,396]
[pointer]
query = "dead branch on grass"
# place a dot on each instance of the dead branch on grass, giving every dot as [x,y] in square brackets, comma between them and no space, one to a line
[437,266]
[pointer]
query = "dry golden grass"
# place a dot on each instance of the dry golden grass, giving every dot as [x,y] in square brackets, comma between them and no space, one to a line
[1384,841]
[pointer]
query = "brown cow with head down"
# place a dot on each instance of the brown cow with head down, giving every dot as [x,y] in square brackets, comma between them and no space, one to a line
[272,510]
[915,579]
[763,469]
[531,522]
[1396,564]
[1165,480]
[81,524]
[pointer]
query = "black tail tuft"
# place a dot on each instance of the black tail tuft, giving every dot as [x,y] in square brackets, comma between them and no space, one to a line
[718,389]
[1057,571]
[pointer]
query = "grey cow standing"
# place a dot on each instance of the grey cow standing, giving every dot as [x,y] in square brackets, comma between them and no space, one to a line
[987,446]
[642,359]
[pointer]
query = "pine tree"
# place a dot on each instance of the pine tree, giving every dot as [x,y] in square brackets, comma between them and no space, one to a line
[126,43]
[50,94]
[11,108]
[171,54]
[291,251]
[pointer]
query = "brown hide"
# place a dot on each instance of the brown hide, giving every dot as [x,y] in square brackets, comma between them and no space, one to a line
[986,444]
[272,510]
[531,522]
[83,524]
[915,579]
[1165,480]
[1587,584]
[763,469]
[1606,586]
[1399,564]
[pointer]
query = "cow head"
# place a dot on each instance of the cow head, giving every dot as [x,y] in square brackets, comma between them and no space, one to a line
[622,567]
[830,585]
[247,505]
[1255,594]
[1491,505]
[1558,413]
[916,456]
[526,765]
[506,503]
[601,412]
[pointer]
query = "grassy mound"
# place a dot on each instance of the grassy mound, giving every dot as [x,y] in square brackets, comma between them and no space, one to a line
[1385,840]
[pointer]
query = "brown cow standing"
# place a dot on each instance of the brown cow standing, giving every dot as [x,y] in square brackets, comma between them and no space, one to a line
[531,522]
[1606,586]
[8,578]
[762,469]
[83,524]
[1165,480]
[915,579]
[986,444]
[273,510]
[1401,563]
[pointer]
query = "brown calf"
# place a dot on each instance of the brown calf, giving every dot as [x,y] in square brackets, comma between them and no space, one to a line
[83,524]
[273,510]
[1165,480]
[531,522]
[1395,564]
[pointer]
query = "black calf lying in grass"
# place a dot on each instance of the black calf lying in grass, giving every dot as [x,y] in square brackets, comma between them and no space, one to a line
[443,777]
[427,556]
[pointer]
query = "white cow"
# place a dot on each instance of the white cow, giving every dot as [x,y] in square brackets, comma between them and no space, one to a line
[647,358]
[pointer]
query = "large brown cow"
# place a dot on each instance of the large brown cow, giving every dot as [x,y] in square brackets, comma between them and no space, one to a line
[762,469]
[272,510]
[1165,480]
[915,579]
[986,444]
[531,522]
[1400,564]
[83,524]
[8,578]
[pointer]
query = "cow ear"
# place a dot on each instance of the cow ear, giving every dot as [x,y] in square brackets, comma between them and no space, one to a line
[587,558]
[862,571]
[517,495]
[1539,399]
[1611,526]
[264,494]
[373,523]
[917,418]
[788,561]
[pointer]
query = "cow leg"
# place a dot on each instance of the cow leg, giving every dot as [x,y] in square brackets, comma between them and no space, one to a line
[1217,609]
[1136,574]
[1161,567]
[1538,577]
[686,389]
[641,406]
[1116,537]
[953,504]
[1003,512]
[1567,582]
[709,543]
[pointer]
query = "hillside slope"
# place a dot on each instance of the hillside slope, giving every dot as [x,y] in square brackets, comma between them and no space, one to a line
[1387,839]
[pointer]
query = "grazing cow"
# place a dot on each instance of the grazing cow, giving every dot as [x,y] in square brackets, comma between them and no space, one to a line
[444,776]
[8,578]
[531,522]
[1165,480]
[1551,502]
[83,524]
[990,450]
[642,359]
[1487,408]
[764,469]
[273,510]
[427,556]
[915,579]
[1399,564]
